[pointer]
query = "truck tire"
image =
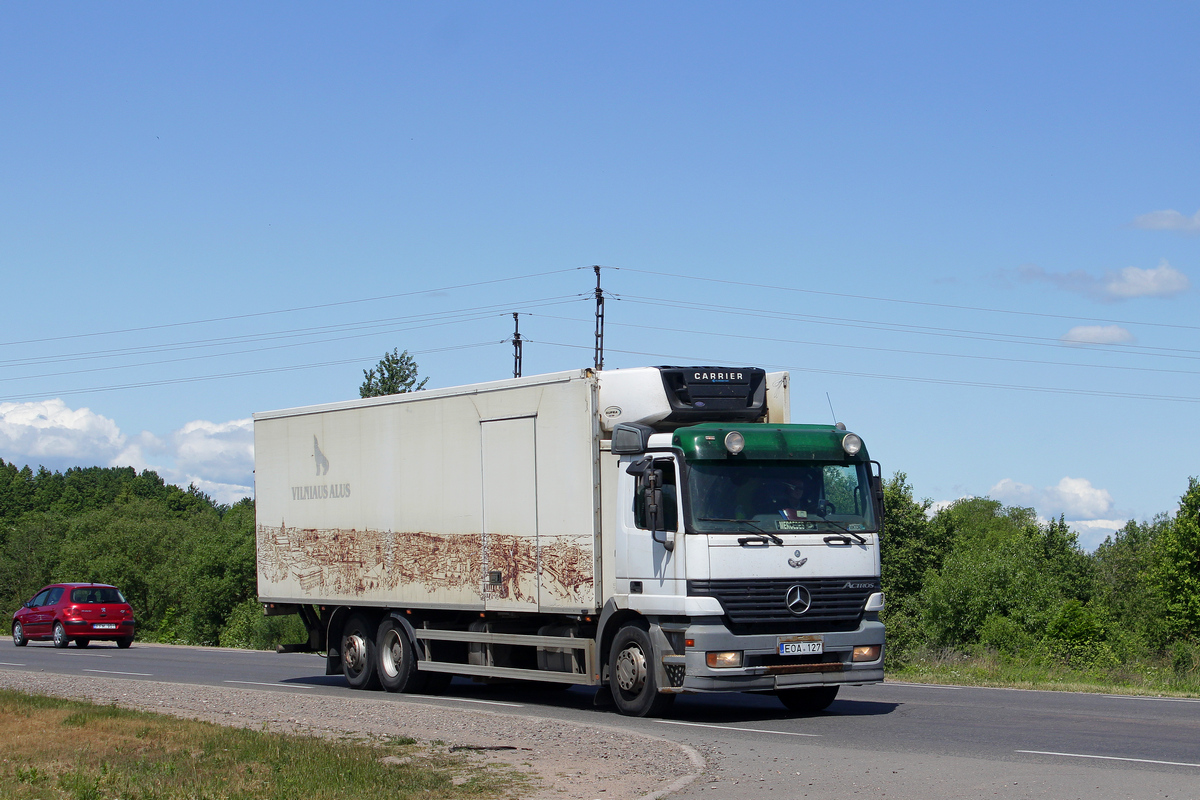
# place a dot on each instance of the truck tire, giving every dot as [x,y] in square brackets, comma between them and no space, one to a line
[358,653]
[631,675]
[397,659]
[60,636]
[807,701]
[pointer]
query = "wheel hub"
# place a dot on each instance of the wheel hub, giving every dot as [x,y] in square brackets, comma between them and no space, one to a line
[631,669]
[355,652]
[393,654]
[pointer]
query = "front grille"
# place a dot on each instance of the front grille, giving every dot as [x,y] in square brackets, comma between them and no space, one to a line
[758,606]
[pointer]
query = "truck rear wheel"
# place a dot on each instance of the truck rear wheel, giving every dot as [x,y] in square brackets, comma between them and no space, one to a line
[397,659]
[807,701]
[358,653]
[631,675]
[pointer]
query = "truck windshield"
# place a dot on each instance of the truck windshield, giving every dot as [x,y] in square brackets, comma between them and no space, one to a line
[727,496]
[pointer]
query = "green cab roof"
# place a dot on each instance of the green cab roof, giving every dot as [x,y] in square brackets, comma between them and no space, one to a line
[784,442]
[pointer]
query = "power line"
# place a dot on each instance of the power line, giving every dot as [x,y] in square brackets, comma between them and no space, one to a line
[909,378]
[906,302]
[923,330]
[879,349]
[242,374]
[478,312]
[291,310]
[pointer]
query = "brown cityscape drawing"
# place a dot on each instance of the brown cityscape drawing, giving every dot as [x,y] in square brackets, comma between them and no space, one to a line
[331,563]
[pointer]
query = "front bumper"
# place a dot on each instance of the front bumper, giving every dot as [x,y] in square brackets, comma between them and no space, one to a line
[763,669]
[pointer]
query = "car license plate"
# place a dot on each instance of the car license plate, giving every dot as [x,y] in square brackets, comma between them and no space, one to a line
[801,645]
[104,626]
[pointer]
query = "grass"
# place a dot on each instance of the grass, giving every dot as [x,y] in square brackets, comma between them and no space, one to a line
[988,667]
[70,750]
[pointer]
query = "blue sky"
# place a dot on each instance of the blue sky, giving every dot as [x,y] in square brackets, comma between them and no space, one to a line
[976,228]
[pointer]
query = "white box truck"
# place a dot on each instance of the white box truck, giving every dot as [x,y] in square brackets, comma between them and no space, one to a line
[649,531]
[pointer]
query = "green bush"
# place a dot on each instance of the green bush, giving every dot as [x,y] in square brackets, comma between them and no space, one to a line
[1075,623]
[249,629]
[1004,635]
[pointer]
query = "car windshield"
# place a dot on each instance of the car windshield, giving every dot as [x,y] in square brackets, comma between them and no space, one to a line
[96,594]
[737,496]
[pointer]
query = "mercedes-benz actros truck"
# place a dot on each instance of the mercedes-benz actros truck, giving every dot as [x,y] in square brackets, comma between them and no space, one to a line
[648,531]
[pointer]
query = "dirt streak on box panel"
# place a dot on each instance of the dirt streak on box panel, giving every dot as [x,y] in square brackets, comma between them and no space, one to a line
[413,566]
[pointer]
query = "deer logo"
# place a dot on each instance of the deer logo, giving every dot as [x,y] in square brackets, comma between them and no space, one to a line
[322,461]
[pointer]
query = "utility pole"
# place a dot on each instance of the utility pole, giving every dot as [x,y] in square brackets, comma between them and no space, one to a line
[599,360]
[516,341]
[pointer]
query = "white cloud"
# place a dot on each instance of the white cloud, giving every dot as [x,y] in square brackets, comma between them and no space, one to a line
[1074,498]
[1097,334]
[1162,281]
[938,505]
[222,452]
[216,456]
[1126,284]
[1092,532]
[1169,220]
[227,493]
[48,432]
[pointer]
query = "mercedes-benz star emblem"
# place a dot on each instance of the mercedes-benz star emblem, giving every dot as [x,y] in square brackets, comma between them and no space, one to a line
[797,599]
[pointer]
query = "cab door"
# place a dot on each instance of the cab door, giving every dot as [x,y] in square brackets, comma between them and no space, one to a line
[643,556]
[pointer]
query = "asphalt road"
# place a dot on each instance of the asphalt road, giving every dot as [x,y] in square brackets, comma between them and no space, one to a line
[892,740]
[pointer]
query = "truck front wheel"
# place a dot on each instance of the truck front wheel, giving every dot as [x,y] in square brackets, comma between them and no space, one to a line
[807,701]
[631,675]
[397,659]
[358,653]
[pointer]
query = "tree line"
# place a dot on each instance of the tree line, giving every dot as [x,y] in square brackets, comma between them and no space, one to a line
[976,574]
[185,563]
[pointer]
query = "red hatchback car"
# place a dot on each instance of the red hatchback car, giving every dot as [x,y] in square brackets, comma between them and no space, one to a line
[78,612]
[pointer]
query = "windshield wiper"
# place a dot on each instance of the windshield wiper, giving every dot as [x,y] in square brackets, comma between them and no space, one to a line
[766,534]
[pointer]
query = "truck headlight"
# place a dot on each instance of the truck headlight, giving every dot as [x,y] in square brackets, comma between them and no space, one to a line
[724,660]
[851,443]
[734,442]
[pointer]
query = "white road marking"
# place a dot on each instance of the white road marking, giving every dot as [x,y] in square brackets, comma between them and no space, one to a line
[10,664]
[1110,758]
[114,672]
[284,685]
[730,728]
[924,685]
[1159,699]
[470,700]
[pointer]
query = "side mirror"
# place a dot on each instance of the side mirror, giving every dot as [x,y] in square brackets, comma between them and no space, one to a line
[877,492]
[651,481]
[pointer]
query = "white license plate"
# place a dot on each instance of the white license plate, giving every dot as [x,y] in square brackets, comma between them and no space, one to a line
[801,646]
[104,626]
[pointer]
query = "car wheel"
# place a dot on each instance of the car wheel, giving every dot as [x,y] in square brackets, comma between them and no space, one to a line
[19,635]
[358,653]
[82,642]
[807,701]
[631,675]
[60,636]
[124,642]
[397,659]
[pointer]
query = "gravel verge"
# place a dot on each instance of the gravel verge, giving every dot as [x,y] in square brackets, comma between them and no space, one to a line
[570,760]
